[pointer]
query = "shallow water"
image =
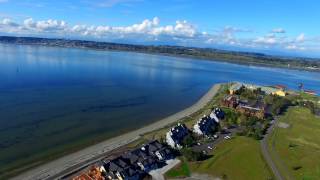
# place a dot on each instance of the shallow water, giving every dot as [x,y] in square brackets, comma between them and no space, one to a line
[53,97]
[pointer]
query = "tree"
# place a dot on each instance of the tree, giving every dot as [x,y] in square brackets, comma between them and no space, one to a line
[188,141]
[191,155]
[258,133]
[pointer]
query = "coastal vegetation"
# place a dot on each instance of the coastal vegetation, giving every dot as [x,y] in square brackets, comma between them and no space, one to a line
[247,58]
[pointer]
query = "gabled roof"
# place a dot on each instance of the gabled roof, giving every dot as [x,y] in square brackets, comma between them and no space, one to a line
[179,132]
[118,164]
[205,124]
[154,146]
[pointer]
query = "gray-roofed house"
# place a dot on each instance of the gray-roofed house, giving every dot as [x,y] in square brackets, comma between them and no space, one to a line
[142,159]
[120,168]
[161,151]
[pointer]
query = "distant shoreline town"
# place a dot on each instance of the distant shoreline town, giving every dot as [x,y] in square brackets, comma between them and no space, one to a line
[245,58]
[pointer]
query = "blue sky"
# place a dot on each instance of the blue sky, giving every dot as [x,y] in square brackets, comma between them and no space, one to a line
[289,27]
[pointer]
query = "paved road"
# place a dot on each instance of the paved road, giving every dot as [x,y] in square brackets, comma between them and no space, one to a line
[266,153]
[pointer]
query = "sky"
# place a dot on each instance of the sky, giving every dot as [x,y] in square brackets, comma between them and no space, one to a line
[285,27]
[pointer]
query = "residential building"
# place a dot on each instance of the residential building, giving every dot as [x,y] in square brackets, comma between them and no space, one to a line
[205,126]
[142,158]
[136,163]
[119,168]
[251,108]
[176,135]
[217,114]
[161,151]
[231,101]
[93,173]
[266,89]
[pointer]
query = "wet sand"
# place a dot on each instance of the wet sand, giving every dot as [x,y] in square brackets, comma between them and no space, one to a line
[51,169]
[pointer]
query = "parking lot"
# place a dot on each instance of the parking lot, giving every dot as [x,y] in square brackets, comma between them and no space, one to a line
[210,145]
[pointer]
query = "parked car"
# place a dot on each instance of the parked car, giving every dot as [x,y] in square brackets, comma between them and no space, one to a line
[209,147]
[227,137]
[215,136]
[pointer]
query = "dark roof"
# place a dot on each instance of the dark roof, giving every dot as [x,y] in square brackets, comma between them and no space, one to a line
[205,124]
[129,172]
[117,164]
[131,157]
[154,146]
[219,113]
[179,132]
[127,164]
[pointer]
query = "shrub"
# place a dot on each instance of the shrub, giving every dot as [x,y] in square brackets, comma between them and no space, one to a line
[191,155]
[188,141]
[296,167]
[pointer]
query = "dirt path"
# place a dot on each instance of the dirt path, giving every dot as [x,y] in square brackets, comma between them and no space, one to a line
[92,153]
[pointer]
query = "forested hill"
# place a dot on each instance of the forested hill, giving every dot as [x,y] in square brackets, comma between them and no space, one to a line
[247,58]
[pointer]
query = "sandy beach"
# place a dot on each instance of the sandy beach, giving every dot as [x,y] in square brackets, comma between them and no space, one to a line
[90,154]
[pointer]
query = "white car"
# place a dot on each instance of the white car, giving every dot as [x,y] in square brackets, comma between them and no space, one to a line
[209,147]
[227,137]
[215,136]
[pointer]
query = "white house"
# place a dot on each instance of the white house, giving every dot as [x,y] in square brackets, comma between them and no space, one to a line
[204,126]
[217,114]
[175,135]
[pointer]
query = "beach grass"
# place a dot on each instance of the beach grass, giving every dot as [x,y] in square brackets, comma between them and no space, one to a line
[296,149]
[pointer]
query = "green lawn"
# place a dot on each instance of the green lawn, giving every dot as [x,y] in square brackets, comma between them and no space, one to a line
[181,170]
[296,149]
[239,158]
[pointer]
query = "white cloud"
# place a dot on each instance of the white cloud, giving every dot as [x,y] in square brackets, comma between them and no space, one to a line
[300,38]
[8,22]
[279,30]
[45,26]
[267,40]
[294,47]
[152,31]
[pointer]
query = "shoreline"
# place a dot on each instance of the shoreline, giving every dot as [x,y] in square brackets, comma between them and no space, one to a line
[223,60]
[91,153]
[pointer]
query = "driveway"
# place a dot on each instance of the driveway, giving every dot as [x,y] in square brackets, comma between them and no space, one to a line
[158,174]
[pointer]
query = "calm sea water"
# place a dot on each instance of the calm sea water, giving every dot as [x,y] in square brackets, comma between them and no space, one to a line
[57,98]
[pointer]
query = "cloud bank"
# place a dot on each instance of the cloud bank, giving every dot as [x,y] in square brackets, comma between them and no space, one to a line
[151,31]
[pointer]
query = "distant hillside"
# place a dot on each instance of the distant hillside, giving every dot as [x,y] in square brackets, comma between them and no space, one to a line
[247,58]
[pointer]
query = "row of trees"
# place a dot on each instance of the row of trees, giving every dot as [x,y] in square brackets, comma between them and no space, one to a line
[277,104]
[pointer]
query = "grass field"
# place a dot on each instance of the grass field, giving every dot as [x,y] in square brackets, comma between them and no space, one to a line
[296,150]
[180,171]
[239,158]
